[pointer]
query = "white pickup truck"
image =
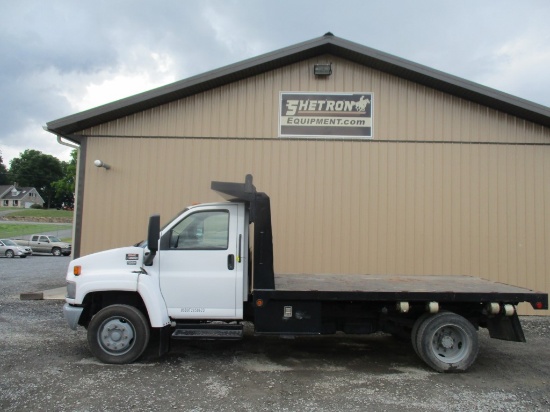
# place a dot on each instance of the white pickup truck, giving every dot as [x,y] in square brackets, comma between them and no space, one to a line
[46,244]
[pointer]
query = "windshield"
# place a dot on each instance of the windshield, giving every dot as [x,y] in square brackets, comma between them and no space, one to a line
[8,242]
[54,239]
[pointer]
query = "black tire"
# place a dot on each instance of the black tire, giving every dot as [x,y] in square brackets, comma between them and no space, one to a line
[9,253]
[447,342]
[118,334]
[414,332]
[56,251]
[23,256]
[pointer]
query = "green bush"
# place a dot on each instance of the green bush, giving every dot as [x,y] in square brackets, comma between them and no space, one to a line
[36,206]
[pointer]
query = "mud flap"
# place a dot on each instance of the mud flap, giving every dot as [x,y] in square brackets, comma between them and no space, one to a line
[506,328]
[165,334]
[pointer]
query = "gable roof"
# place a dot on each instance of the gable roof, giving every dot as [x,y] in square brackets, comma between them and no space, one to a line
[4,189]
[327,44]
[22,192]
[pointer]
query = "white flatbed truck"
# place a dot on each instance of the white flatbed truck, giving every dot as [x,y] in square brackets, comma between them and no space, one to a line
[198,278]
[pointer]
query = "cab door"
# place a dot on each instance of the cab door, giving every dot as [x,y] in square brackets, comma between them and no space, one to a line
[199,273]
[42,244]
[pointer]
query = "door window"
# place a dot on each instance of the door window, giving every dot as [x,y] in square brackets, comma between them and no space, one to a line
[208,230]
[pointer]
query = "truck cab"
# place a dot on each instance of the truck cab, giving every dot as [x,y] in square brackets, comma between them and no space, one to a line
[195,269]
[202,265]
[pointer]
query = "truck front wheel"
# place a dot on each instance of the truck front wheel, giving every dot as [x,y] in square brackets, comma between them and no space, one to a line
[118,334]
[56,251]
[447,342]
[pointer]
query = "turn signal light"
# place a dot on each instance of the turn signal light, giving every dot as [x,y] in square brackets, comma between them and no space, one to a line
[77,270]
[259,303]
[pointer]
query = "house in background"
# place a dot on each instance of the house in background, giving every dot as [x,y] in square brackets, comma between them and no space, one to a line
[22,197]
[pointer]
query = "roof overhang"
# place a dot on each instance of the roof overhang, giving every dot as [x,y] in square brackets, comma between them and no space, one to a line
[327,44]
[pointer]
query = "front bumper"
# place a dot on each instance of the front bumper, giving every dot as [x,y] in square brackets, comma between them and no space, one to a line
[72,315]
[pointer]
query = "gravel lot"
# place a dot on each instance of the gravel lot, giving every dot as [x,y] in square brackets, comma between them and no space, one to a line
[46,366]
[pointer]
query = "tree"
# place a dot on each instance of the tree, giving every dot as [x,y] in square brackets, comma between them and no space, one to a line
[36,169]
[3,172]
[65,187]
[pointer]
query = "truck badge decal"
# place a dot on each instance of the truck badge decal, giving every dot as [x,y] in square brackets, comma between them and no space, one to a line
[193,310]
[132,256]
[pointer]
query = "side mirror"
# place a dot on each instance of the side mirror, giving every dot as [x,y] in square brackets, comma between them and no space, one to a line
[153,234]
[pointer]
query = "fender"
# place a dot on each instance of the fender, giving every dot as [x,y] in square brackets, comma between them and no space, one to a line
[105,283]
[149,291]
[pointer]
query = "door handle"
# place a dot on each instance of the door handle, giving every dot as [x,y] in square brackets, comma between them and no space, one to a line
[231,262]
[239,253]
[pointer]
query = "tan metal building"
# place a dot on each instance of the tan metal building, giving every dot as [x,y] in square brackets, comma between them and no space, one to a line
[451,178]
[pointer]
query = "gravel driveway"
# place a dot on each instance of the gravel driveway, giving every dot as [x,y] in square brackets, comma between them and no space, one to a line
[46,366]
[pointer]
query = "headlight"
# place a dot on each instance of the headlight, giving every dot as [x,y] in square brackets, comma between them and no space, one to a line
[71,290]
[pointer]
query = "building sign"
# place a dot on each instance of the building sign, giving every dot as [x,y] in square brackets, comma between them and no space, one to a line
[326,115]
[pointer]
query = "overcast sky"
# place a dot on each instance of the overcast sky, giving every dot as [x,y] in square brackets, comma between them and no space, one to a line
[61,57]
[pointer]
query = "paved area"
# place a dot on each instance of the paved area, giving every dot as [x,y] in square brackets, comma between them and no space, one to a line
[55,294]
[50,294]
[47,367]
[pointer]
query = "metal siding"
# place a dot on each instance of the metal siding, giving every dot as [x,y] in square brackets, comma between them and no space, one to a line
[403,110]
[391,206]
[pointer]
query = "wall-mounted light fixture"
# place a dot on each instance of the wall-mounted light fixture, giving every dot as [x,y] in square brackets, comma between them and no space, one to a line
[322,69]
[100,163]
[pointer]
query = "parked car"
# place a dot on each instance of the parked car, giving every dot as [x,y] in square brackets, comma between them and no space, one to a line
[11,249]
[46,244]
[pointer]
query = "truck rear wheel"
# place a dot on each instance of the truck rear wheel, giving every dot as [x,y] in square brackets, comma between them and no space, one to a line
[118,334]
[416,327]
[447,342]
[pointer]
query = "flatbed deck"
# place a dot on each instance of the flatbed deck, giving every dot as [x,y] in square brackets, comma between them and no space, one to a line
[399,287]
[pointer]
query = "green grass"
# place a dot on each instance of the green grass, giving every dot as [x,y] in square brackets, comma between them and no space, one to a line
[11,230]
[41,213]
